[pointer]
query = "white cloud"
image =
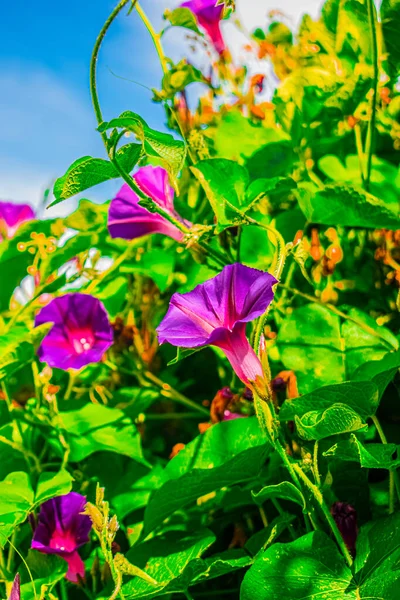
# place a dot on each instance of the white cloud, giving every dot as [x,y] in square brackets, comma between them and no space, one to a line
[46,125]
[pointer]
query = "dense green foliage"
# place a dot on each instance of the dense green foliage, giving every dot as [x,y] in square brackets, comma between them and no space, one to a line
[305,185]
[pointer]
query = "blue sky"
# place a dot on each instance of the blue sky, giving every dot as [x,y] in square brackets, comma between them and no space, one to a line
[46,116]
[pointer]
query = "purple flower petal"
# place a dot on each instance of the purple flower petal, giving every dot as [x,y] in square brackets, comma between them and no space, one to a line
[81,333]
[16,589]
[12,216]
[216,313]
[209,17]
[76,567]
[237,349]
[128,220]
[62,528]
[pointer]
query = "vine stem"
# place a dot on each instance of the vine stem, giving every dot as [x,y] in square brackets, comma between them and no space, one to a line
[315,463]
[372,122]
[394,481]
[321,503]
[111,151]
[156,37]
[282,255]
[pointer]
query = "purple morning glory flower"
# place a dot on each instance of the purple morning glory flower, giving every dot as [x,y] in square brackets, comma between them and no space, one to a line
[16,589]
[345,517]
[12,216]
[128,220]
[216,312]
[62,529]
[209,16]
[81,333]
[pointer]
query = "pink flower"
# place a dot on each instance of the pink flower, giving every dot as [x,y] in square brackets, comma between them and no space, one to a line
[209,17]
[216,313]
[62,529]
[128,220]
[81,332]
[12,216]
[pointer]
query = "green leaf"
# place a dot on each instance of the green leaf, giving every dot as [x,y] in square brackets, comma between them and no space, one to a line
[272,160]
[165,558]
[318,424]
[383,176]
[234,126]
[340,204]
[14,263]
[225,183]
[370,456]
[313,343]
[381,372]
[157,263]
[178,78]
[136,495]
[307,569]
[95,427]
[261,540]
[182,17]
[113,294]
[377,559]
[390,16]
[136,401]
[87,172]
[53,484]
[182,353]
[362,397]
[17,347]
[284,490]
[163,146]
[204,569]
[228,453]
[88,216]
[16,500]
[46,571]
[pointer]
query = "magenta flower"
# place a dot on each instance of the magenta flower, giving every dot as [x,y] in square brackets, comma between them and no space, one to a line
[16,589]
[209,17]
[216,312]
[81,333]
[12,216]
[345,517]
[62,529]
[128,220]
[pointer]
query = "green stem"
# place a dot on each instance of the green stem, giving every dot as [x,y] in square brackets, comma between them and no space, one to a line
[169,392]
[111,151]
[281,512]
[394,481]
[116,264]
[95,97]
[156,37]
[280,264]
[360,152]
[372,122]
[71,380]
[63,589]
[321,503]
[93,64]
[315,464]
[11,551]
